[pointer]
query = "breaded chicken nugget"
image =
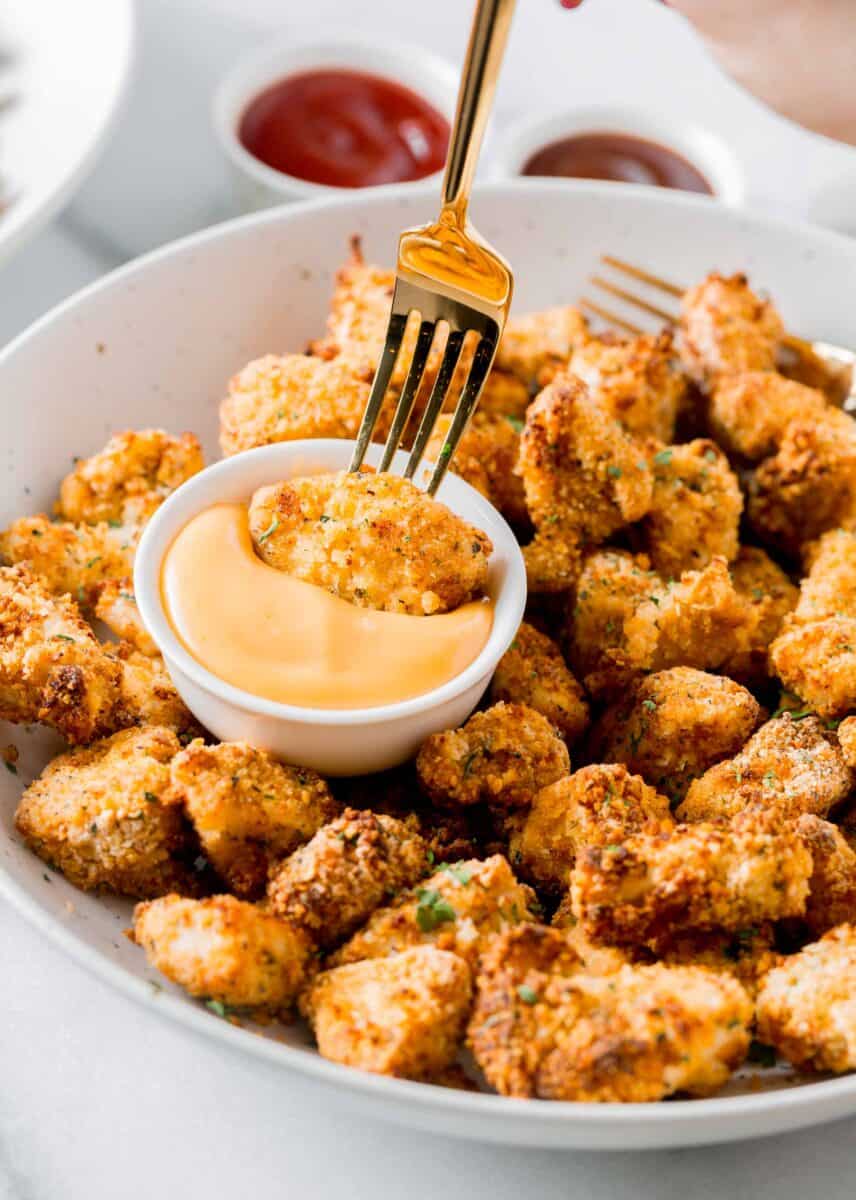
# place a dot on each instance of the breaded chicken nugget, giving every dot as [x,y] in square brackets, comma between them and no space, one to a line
[330,886]
[725,328]
[225,950]
[829,588]
[598,805]
[847,740]
[768,596]
[542,1028]
[74,559]
[674,725]
[553,561]
[581,472]
[746,953]
[284,398]
[817,662]
[97,814]
[486,457]
[832,887]
[248,810]
[456,909]
[375,540]
[611,586]
[596,959]
[533,672]
[403,1016]
[695,877]
[808,485]
[52,668]
[116,606]
[536,346]
[788,767]
[131,477]
[147,695]
[805,1007]
[500,757]
[695,508]
[750,411]
[635,380]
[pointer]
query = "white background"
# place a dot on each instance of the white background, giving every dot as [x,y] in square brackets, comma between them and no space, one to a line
[101,1101]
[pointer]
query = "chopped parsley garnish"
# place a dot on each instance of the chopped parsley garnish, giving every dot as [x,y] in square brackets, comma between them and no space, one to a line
[114,523]
[527,994]
[274,525]
[515,423]
[458,871]
[432,910]
[663,457]
[218,1007]
[324,518]
[649,705]
[10,767]
[62,637]
[93,561]
[710,455]
[614,472]
[151,797]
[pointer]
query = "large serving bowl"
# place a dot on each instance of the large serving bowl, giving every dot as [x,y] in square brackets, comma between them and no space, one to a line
[154,343]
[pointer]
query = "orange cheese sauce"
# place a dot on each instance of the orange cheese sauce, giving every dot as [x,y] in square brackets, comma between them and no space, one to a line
[282,639]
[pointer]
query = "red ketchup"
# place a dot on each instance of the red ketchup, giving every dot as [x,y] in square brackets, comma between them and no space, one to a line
[345,129]
[618,156]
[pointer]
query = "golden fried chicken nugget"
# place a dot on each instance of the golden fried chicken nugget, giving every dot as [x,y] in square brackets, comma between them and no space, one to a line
[695,508]
[832,887]
[768,596]
[725,328]
[98,815]
[500,757]
[281,398]
[249,810]
[147,695]
[375,540]
[582,474]
[809,485]
[116,606]
[847,740]
[536,346]
[404,1015]
[553,561]
[225,950]
[543,1028]
[333,883]
[595,958]
[634,379]
[52,667]
[805,1006]
[817,662]
[74,559]
[598,805]
[533,672]
[131,477]
[829,588]
[459,906]
[674,725]
[747,953]
[486,457]
[695,877]
[611,586]
[750,411]
[787,768]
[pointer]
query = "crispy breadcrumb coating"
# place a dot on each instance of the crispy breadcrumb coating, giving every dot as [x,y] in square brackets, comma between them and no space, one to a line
[553,560]
[746,953]
[330,886]
[131,477]
[695,508]
[787,768]
[116,606]
[147,695]
[501,757]
[829,588]
[832,887]
[73,559]
[456,909]
[536,346]
[674,725]
[542,1028]
[403,1016]
[284,398]
[248,810]
[52,667]
[598,805]
[750,411]
[375,540]
[634,379]
[485,457]
[817,662]
[595,959]
[695,877]
[533,672]
[725,327]
[225,950]
[97,814]
[847,740]
[805,1007]
[768,596]
[581,472]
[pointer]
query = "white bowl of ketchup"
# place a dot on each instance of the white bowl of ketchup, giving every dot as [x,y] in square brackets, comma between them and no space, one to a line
[301,121]
[334,741]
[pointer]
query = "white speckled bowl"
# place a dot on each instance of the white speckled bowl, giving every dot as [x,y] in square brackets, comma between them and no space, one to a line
[154,343]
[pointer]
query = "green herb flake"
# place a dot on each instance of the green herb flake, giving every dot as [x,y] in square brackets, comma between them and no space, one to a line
[62,637]
[324,518]
[614,472]
[649,705]
[527,994]
[432,909]
[663,457]
[458,871]
[93,561]
[272,528]
[515,423]
[218,1007]
[151,797]
[710,455]
[114,523]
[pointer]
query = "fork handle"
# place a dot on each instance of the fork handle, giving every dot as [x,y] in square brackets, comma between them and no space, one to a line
[488,36]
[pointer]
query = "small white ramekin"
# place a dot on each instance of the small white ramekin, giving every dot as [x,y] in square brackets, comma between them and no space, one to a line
[260,186]
[332,741]
[514,146]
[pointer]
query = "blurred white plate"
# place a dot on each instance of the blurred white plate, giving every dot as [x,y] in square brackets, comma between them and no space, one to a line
[154,344]
[63,69]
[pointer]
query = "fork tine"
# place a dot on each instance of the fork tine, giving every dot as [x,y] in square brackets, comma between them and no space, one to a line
[631,298]
[392,345]
[481,364]
[643,276]
[609,316]
[452,353]
[408,392]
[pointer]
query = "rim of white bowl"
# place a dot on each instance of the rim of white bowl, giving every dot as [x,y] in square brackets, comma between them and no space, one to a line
[432,77]
[195,495]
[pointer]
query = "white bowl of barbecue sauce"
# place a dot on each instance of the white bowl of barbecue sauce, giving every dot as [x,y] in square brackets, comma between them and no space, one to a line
[262,657]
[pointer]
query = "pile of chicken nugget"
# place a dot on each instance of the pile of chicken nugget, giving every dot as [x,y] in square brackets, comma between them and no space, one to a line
[635,866]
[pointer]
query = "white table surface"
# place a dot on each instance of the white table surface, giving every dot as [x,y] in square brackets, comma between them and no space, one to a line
[101,1101]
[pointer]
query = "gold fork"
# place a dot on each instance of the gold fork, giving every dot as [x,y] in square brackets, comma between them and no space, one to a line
[447,273]
[821,364]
